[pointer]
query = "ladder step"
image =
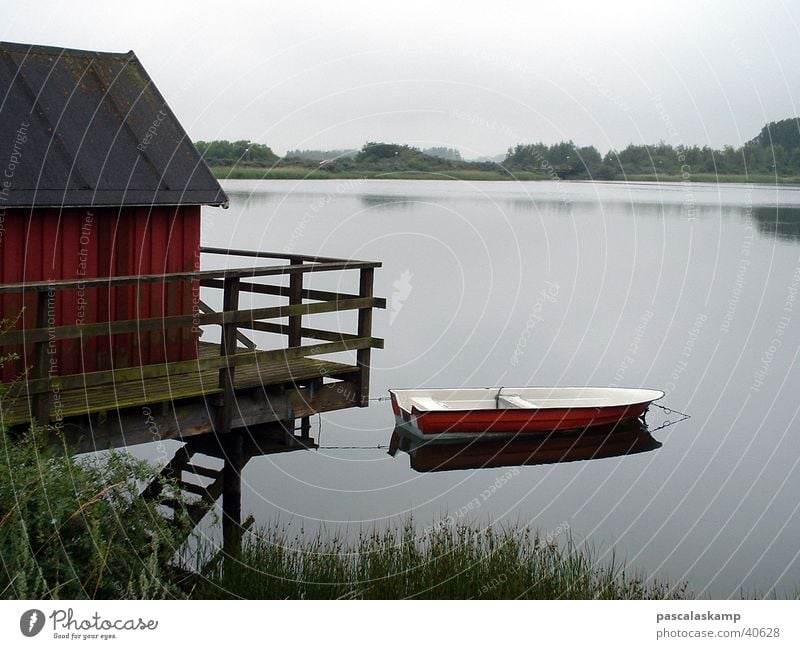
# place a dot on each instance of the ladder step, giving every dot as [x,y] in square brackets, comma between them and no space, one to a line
[172,503]
[196,489]
[194,512]
[203,471]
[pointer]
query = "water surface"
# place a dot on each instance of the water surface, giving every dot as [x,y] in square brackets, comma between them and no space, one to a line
[686,288]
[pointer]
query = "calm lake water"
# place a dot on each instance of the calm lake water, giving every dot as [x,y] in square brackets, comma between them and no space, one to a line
[686,288]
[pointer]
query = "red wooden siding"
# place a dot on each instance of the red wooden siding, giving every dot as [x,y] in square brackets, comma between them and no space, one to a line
[50,244]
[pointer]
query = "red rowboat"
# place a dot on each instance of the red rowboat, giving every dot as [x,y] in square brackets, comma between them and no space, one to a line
[464,413]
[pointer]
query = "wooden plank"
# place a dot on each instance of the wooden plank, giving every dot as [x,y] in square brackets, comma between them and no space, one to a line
[333,396]
[178,368]
[14,410]
[153,324]
[204,308]
[283,291]
[233,252]
[306,332]
[190,276]
[202,471]
[196,489]
[191,419]
[290,371]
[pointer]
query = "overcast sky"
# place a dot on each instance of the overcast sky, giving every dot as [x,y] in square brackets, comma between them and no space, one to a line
[477,76]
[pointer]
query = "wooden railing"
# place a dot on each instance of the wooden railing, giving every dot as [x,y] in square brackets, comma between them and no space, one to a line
[302,303]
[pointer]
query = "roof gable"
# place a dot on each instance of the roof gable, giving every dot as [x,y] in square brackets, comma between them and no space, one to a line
[90,128]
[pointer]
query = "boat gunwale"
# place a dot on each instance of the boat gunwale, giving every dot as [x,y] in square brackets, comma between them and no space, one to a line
[393,392]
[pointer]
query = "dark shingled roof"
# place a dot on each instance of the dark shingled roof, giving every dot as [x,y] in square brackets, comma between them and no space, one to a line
[90,129]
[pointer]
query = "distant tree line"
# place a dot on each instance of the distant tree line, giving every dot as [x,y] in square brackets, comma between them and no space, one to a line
[443,152]
[221,153]
[774,151]
[318,155]
[386,157]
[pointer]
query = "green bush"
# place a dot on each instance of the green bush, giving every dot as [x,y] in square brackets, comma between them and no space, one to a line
[77,528]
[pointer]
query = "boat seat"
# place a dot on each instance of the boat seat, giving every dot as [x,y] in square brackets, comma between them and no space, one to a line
[426,403]
[514,401]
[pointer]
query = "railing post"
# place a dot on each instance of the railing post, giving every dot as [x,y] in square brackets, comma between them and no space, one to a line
[295,325]
[41,403]
[366,283]
[230,302]
[295,297]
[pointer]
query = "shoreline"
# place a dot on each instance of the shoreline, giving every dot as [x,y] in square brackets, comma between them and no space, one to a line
[302,173]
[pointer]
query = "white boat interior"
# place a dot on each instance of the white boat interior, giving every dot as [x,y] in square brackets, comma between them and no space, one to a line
[532,398]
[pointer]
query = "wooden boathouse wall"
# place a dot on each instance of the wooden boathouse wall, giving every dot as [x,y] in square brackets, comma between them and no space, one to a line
[49,244]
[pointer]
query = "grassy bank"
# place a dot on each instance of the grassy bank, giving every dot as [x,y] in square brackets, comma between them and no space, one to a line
[449,562]
[75,529]
[304,173]
[301,173]
[759,179]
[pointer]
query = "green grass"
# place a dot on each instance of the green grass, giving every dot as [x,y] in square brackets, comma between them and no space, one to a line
[449,562]
[273,173]
[764,179]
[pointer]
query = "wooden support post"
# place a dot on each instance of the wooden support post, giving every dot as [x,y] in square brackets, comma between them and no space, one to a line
[41,363]
[294,329]
[230,440]
[305,427]
[295,297]
[232,494]
[366,284]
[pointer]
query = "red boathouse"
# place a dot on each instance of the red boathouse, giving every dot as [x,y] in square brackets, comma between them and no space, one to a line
[100,279]
[101,193]
[97,179]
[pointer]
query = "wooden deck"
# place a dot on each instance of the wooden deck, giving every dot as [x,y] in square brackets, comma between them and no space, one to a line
[227,387]
[186,383]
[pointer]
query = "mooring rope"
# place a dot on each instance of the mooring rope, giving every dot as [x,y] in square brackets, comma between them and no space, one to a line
[670,411]
[497,398]
[362,448]
[321,447]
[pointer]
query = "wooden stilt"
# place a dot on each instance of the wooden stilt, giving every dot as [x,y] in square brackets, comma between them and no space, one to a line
[230,440]
[232,494]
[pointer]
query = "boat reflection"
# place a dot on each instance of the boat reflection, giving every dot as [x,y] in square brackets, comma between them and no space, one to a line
[590,444]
